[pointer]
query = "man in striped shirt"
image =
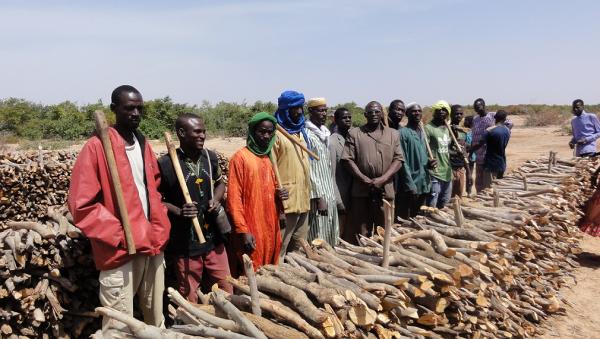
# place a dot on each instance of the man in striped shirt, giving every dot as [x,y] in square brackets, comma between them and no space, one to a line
[323,217]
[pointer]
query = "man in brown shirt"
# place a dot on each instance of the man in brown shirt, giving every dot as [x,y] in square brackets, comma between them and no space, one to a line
[373,155]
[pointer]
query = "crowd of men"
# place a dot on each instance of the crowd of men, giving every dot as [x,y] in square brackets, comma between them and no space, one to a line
[298,178]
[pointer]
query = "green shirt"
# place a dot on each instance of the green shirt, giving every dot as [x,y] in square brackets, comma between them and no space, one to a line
[439,141]
[414,175]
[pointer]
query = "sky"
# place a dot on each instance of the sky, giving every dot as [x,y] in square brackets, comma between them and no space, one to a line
[508,52]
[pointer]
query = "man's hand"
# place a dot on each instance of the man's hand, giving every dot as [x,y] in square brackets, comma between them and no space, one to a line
[248,242]
[283,193]
[432,163]
[214,205]
[322,206]
[189,211]
[366,180]
[378,182]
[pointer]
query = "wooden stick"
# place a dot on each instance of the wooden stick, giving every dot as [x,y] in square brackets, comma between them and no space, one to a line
[296,142]
[524,182]
[102,130]
[246,326]
[458,216]
[429,153]
[186,193]
[389,216]
[496,197]
[254,297]
[273,158]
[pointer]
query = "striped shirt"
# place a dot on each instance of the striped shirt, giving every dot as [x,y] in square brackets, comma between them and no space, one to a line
[324,227]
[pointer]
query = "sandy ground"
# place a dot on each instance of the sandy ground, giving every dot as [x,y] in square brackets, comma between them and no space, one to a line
[582,319]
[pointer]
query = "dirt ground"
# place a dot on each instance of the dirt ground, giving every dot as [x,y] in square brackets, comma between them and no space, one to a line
[582,319]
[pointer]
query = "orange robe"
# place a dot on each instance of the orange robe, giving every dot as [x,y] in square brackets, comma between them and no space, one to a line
[252,206]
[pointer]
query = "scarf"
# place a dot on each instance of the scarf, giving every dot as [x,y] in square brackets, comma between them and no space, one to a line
[286,100]
[250,142]
[441,105]
[322,132]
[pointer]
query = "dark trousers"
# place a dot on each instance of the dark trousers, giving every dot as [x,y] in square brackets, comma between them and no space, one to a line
[362,218]
[408,205]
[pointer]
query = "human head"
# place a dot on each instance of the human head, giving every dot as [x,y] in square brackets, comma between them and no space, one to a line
[456,114]
[577,107]
[317,109]
[373,113]
[468,123]
[414,113]
[441,110]
[343,119]
[500,116]
[261,132]
[128,106]
[290,108]
[396,112]
[190,131]
[479,106]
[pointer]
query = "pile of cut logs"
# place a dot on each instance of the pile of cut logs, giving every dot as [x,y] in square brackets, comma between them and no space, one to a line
[487,267]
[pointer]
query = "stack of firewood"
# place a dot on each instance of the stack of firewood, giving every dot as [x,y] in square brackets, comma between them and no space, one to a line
[487,267]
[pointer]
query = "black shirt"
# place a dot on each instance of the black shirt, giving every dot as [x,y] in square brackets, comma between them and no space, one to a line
[183,240]
[496,139]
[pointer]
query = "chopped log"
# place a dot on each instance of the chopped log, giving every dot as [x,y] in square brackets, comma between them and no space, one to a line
[245,325]
[249,270]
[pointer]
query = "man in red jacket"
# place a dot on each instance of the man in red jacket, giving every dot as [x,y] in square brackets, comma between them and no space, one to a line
[94,208]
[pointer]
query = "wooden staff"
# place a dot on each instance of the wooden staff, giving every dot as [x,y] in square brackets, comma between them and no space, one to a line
[273,159]
[296,142]
[186,193]
[457,144]
[102,130]
[429,153]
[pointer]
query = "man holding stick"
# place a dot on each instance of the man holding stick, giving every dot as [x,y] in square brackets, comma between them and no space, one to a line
[197,264]
[461,174]
[94,208]
[294,168]
[254,198]
[373,155]
[413,182]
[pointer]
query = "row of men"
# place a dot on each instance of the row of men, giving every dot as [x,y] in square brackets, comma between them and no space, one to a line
[276,195]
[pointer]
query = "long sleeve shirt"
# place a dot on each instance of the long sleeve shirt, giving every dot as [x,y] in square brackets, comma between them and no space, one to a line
[586,127]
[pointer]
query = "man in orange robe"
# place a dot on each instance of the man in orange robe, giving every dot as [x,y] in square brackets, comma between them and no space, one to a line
[253,199]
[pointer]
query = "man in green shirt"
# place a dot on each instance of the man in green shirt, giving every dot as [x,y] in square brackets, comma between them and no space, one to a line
[413,182]
[439,141]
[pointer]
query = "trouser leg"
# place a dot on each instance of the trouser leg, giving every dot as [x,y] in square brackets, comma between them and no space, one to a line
[151,288]
[434,194]
[216,269]
[189,275]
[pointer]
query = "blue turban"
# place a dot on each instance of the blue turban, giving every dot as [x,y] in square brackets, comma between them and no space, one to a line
[286,100]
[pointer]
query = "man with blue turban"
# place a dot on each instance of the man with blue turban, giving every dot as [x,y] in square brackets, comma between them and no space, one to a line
[293,165]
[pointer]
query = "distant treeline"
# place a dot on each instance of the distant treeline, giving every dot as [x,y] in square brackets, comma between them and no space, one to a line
[67,120]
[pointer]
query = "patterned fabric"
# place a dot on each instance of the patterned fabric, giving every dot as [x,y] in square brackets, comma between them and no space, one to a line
[480,125]
[591,221]
[252,206]
[439,141]
[324,227]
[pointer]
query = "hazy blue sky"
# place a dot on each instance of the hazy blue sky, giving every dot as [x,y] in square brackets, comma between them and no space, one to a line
[504,51]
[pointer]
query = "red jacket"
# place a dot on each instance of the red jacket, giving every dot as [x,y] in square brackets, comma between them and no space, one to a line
[94,206]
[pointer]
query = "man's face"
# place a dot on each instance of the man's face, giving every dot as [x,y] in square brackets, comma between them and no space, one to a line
[295,113]
[263,133]
[578,108]
[414,114]
[457,116]
[192,134]
[128,110]
[344,121]
[440,114]
[479,107]
[318,114]
[373,113]
[397,111]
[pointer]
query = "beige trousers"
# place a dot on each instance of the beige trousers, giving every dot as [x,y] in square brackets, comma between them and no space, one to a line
[143,276]
[296,228]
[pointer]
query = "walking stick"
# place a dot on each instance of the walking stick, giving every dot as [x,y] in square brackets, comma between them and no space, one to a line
[296,142]
[273,159]
[429,153]
[102,130]
[186,193]
[466,161]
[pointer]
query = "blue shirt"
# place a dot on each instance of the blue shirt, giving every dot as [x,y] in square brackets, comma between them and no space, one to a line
[586,127]
[496,140]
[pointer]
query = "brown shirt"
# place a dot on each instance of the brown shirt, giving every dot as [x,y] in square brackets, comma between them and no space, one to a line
[373,153]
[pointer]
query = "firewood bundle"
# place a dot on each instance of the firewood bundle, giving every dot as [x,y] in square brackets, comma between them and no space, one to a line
[487,267]
[48,283]
[33,181]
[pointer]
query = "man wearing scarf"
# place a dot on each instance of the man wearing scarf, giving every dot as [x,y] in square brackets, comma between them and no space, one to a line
[253,200]
[323,217]
[294,167]
[439,141]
